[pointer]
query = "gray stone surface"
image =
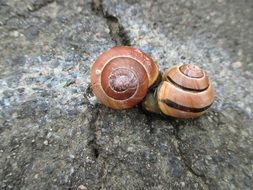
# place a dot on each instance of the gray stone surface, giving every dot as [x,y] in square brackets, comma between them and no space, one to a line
[53,134]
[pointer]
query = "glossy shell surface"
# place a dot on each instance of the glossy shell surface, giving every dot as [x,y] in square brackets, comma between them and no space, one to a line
[121,76]
[185,92]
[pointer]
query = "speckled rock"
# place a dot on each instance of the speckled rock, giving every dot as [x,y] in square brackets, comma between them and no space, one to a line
[53,133]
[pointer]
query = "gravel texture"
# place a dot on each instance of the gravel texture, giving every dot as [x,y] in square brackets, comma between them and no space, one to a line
[53,133]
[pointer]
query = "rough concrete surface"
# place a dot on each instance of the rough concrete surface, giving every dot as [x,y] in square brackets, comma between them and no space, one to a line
[53,134]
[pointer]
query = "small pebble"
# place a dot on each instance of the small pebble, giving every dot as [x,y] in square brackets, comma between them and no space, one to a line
[14,33]
[45,142]
[208,157]
[237,64]
[130,149]
[71,156]
[82,187]
[30,8]
[182,184]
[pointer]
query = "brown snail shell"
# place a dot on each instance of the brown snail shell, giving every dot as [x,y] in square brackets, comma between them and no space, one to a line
[121,76]
[185,92]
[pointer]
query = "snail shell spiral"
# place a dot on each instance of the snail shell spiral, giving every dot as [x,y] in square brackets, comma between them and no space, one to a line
[121,76]
[185,92]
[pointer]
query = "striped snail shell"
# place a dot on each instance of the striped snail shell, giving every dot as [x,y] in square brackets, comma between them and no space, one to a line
[185,92]
[121,76]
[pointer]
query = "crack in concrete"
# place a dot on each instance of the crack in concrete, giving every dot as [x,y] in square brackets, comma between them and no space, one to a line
[117,31]
[175,124]
[92,143]
[183,157]
[120,37]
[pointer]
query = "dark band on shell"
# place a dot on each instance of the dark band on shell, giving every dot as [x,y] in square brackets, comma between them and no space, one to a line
[185,88]
[184,108]
[185,92]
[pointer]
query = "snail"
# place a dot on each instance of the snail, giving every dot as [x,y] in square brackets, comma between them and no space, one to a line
[121,76]
[185,92]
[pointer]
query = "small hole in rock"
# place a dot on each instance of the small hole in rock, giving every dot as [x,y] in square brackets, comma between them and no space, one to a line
[96,152]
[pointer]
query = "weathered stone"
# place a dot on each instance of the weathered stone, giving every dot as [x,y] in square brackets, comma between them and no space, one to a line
[54,135]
